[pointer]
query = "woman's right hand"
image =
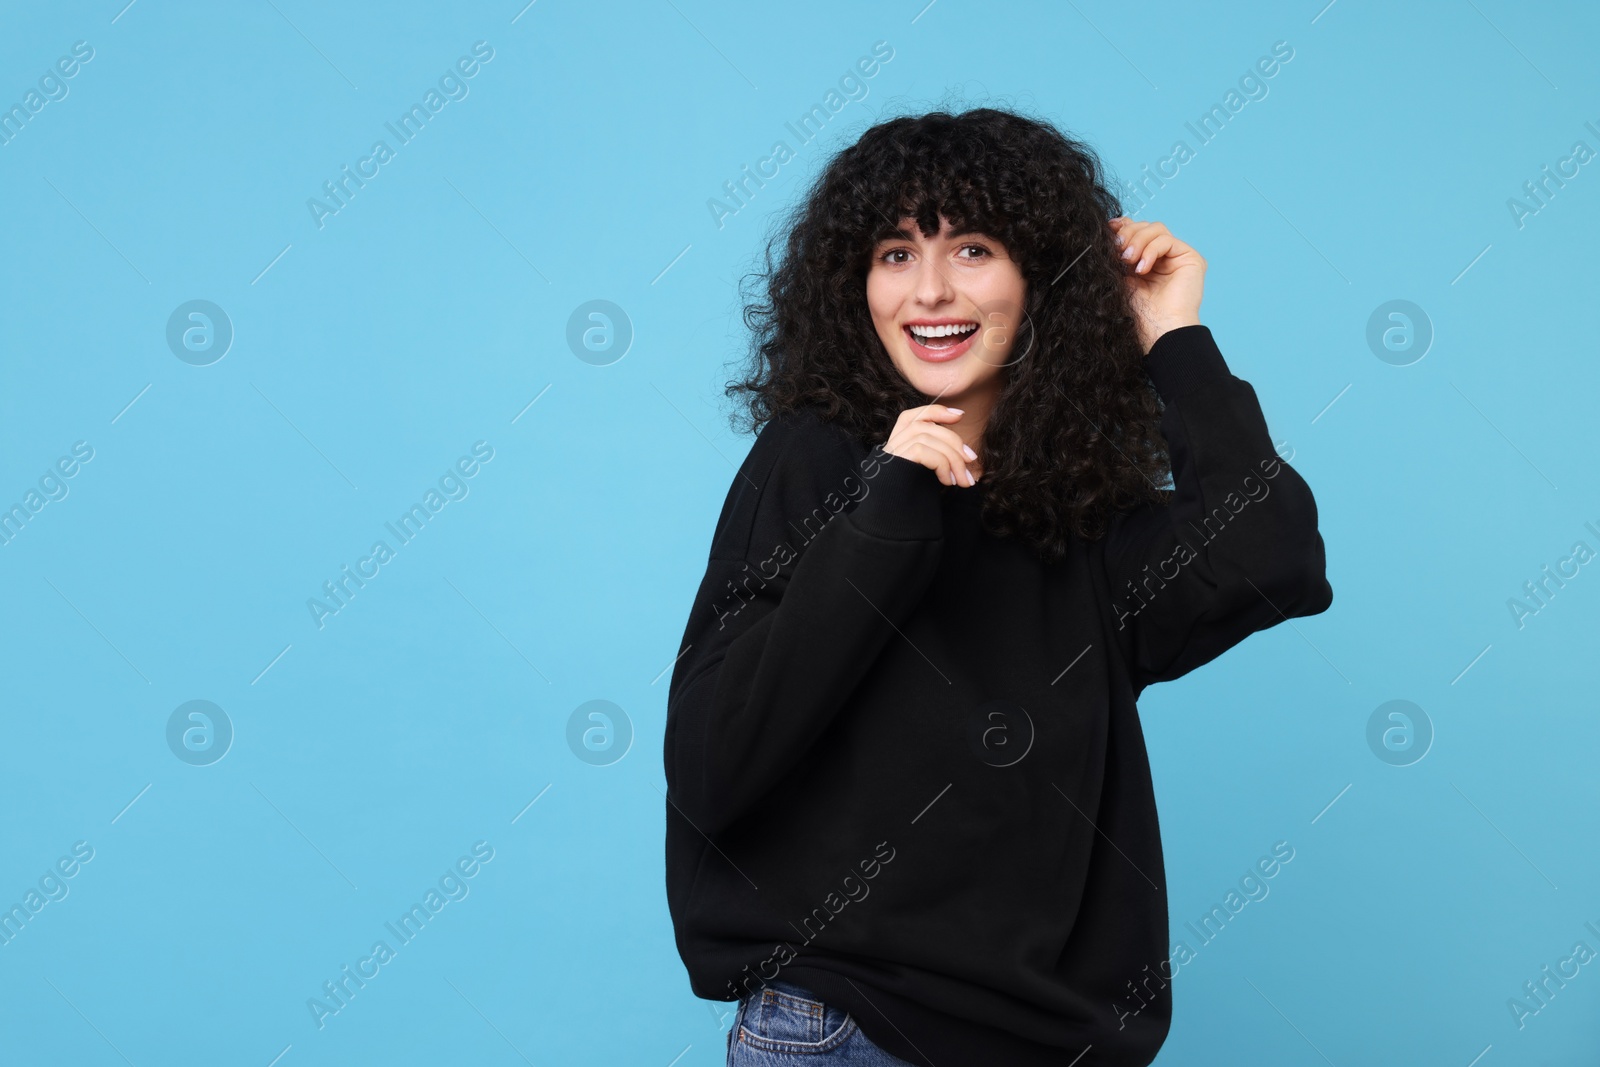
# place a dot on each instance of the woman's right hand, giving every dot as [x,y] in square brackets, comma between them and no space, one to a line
[919,436]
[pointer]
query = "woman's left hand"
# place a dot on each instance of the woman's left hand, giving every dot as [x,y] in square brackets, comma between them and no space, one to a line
[1165,278]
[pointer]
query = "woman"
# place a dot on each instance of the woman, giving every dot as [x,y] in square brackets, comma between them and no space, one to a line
[910,813]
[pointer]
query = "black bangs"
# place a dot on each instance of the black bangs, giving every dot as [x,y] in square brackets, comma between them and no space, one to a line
[948,174]
[925,200]
[970,169]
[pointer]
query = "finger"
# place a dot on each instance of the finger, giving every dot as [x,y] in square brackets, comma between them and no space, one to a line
[1133,237]
[1122,228]
[943,454]
[921,419]
[920,442]
[944,434]
[965,459]
[1176,249]
[1158,246]
[947,453]
[940,412]
[925,455]
[946,457]
[1139,236]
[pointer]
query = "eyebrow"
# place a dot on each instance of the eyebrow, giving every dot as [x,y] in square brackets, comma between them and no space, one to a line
[904,235]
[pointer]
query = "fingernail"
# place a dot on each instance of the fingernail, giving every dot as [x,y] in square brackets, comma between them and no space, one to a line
[958,411]
[968,450]
[1142,264]
[1121,240]
[971,481]
[1126,252]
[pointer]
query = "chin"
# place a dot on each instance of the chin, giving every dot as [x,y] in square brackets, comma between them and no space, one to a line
[934,380]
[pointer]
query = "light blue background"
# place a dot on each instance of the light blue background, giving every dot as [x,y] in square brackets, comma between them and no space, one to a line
[426,315]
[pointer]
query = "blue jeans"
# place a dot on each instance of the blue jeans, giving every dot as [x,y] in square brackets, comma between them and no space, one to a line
[783,1022]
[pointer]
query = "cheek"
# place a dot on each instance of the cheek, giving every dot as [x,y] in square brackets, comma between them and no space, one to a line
[1005,298]
[1005,288]
[877,295]
[882,304]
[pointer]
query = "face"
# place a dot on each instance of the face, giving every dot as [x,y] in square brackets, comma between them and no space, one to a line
[947,308]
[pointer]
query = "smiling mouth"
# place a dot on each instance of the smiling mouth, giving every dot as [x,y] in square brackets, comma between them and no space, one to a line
[938,337]
[938,344]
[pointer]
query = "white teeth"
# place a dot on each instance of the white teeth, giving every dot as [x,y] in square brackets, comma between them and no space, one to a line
[942,331]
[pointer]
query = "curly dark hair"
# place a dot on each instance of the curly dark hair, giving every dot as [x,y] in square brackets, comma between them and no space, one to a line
[1074,435]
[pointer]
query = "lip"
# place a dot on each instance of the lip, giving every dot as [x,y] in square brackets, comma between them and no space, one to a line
[938,355]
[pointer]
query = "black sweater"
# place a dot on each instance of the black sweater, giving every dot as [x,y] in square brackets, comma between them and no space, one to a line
[904,765]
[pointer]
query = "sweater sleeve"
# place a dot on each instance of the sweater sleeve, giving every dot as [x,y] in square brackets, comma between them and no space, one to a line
[1235,548]
[816,562]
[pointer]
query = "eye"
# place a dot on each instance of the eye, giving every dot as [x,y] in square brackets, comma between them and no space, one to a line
[884,258]
[979,248]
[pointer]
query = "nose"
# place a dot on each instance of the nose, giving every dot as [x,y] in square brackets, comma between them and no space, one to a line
[933,286]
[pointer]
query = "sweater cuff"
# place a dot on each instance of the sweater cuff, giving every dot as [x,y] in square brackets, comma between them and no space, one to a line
[902,501]
[1184,360]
